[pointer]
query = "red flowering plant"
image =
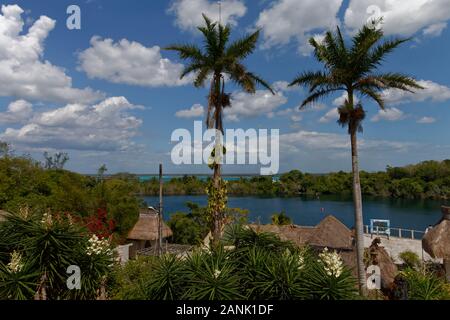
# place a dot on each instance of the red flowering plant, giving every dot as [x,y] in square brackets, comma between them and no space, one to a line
[100,225]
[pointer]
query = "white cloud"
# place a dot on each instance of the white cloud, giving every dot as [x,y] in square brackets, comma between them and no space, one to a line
[287,20]
[23,71]
[426,120]
[106,126]
[195,111]
[338,102]
[399,16]
[246,105]
[130,63]
[389,114]
[298,141]
[332,115]
[296,118]
[435,30]
[188,13]
[17,112]
[433,92]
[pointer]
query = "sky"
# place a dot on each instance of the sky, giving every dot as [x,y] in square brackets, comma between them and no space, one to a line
[110,94]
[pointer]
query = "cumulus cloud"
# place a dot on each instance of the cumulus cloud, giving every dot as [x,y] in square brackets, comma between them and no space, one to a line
[188,13]
[246,105]
[300,140]
[131,63]
[400,17]
[23,71]
[288,20]
[426,120]
[106,126]
[195,111]
[433,92]
[389,114]
[17,112]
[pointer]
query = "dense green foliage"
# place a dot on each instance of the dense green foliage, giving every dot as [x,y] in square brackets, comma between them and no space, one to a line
[25,183]
[193,227]
[410,259]
[36,251]
[249,265]
[281,219]
[427,180]
[424,285]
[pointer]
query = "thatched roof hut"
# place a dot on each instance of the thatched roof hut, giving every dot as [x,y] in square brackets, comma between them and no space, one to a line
[330,233]
[146,228]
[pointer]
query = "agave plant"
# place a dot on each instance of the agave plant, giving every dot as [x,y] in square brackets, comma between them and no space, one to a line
[212,276]
[272,276]
[329,279]
[168,279]
[48,244]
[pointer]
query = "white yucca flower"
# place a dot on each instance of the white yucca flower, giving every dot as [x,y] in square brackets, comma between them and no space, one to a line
[332,263]
[97,246]
[15,265]
[217,273]
[47,220]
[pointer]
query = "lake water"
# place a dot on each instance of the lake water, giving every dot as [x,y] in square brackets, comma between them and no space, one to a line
[407,214]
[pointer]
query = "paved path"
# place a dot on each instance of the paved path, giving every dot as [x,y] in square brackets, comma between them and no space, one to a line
[395,246]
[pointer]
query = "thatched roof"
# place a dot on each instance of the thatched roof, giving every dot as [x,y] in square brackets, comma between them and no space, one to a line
[436,241]
[147,227]
[330,233]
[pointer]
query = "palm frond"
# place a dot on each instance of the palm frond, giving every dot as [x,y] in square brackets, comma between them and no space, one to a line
[201,76]
[261,82]
[187,51]
[241,48]
[319,94]
[368,92]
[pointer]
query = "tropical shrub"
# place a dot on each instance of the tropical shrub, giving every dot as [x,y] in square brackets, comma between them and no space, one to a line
[410,259]
[424,285]
[281,219]
[129,282]
[247,265]
[40,248]
[329,279]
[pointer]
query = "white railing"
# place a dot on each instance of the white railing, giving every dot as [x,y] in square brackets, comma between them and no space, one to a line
[395,232]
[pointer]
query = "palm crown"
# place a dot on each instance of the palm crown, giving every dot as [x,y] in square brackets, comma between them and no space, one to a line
[218,58]
[353,69]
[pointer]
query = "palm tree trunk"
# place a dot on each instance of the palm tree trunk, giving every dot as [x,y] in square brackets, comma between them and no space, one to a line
[359,227]
[217,228]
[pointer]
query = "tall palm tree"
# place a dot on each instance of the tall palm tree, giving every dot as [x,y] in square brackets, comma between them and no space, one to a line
[215,60]
[353,69]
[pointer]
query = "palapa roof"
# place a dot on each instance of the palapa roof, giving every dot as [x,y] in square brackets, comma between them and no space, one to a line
[436,241]
[146,228]
[330,233]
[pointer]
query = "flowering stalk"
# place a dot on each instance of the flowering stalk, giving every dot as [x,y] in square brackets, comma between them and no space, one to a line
[332,263]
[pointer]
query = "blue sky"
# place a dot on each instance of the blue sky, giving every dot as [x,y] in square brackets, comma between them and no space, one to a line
[109,93]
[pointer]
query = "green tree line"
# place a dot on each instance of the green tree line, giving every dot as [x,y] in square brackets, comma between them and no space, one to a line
[426,180]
